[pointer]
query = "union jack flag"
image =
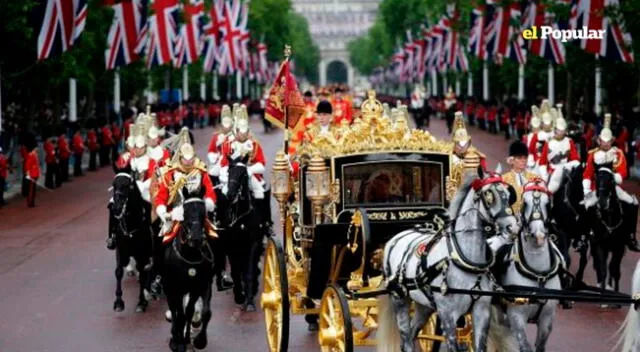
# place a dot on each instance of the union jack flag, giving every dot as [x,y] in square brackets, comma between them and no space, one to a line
[161,30]
[397,62]
[590,14]
[408,66]
[439,34]
[63,23]
[127,30]
[212,36]
[477,38]
[504,37]
[230,51]
[550,48]
[188,45]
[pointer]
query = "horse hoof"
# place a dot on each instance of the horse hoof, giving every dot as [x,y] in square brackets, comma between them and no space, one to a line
[118,305]
[142,307]
[200,342]
[174,346]
[196,322]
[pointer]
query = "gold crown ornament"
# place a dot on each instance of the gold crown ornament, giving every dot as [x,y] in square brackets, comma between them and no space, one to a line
[371,108]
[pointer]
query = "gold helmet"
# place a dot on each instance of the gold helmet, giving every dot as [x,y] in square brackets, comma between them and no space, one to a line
[606,135]
[460,135]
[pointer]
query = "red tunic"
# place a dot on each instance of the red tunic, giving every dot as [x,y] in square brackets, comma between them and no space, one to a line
[49,152]
[544,156]
[117,133]
[78,144]
[32,165]
[257,155]
[107,137]
[162,197]
[123,161]
[491,116]
[589,134]
[92,140]
[4,168]
[214,147]
[341,111]
[590,169]
[521,122]
[470,108]
[63,147]
[622,139]
[480,112]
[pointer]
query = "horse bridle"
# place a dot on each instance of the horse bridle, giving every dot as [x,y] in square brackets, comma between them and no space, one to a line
[115,191]
[186,230]
[610,229]
[238,194]
[537,211]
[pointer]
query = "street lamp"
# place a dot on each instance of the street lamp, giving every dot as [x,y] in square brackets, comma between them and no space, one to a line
[280,183]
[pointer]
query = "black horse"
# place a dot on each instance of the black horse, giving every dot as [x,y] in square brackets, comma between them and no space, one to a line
[607,223]
[568,217]
[129,221]
[241,224]
[188,270]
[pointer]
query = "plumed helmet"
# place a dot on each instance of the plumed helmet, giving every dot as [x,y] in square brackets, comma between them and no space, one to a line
[153,132]
[517,148]
[140,142]
[225,117]
[187,152]
[606,135]
[460,134]
[561,124]
[131,142]
[535,122]
[242,119]
[324,107]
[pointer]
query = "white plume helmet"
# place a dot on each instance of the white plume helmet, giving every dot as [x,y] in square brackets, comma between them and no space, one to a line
[561,124]
[535,122]
[187,152]
[140,142]
[547,119]
[225,117]
[606,135]
[242,120]
[131,142]
[153,132]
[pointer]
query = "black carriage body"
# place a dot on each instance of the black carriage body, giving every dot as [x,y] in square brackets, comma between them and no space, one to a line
[417,195]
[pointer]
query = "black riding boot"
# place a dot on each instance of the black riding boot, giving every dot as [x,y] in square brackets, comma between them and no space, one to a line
[111,235]
[631,218]
[158,259]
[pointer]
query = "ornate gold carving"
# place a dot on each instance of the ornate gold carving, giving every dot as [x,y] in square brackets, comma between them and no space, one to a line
[373,132]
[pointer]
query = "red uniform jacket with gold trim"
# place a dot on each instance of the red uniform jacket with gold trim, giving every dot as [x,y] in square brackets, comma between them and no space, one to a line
[619,165]
[63,147]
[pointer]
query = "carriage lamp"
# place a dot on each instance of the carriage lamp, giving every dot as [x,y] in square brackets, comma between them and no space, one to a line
[317,186]
[280,182]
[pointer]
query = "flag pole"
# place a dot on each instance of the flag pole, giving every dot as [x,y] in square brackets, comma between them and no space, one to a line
[287,54]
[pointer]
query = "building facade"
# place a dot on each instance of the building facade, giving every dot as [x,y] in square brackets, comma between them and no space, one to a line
[333,24]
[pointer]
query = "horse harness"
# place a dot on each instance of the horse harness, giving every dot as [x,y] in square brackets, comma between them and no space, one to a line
[121,217]
[204,257]
[610,229]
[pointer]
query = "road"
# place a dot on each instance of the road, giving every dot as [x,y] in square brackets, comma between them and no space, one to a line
[57,279]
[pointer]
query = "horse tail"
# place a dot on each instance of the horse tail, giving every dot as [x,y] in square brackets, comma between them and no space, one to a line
[628,335]
[500,338]
[388,334]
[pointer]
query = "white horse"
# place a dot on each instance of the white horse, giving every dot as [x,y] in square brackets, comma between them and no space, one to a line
[533,261]
[630,329]
[463,260]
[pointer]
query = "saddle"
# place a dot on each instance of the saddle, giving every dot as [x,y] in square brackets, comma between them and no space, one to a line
[209,229]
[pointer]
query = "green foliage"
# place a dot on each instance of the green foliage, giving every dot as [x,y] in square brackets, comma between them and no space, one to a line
[280,26]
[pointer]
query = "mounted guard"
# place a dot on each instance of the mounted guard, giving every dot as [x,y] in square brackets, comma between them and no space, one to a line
[539,139]
[608,156]
[218,139]
[559,152]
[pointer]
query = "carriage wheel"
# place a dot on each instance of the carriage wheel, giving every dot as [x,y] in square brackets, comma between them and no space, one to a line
[336,332]
[429,333]
[275,297]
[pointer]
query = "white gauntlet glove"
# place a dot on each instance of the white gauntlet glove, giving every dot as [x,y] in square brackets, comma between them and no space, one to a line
[209,204]
[177,214]
[161,211]
[213,157]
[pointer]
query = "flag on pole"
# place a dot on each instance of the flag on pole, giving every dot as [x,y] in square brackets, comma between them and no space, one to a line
[549,48]
[212,34]
[62,25]
[591,15]
[161,33]
[129,19]
[504,39]
[284,94]
[188,45]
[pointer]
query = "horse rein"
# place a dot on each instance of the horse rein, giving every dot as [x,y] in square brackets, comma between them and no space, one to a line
[206,245]
[120,217]
[610,229]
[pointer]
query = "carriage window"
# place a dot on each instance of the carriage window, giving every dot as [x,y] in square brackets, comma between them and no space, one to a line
[392,183]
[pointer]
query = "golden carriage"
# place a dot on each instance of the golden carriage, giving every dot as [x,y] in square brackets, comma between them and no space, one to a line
[356,188]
